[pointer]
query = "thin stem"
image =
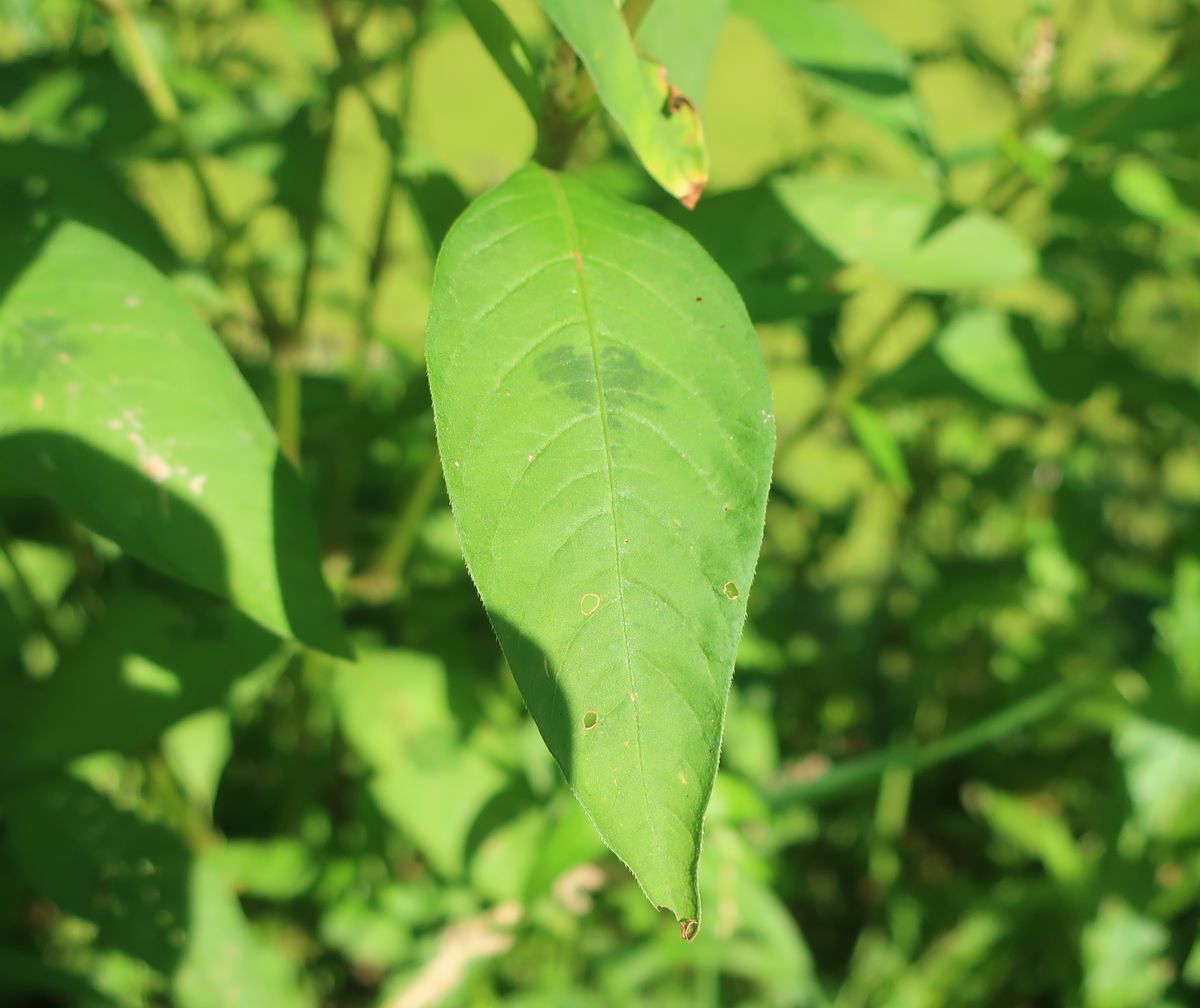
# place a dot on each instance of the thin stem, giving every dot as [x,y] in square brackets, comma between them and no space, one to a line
[393,132]
[289,389]
[570,96]
[397,144]
[387,572]
[163,103]
[859,772]
[852,378]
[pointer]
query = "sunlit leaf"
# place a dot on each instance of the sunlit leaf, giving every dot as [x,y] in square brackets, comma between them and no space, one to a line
[1162,772]
[1147,192]
[120,405]
[226,964]
[902,230]
[1123,958]
[606,433]
[425,774]
[980,347]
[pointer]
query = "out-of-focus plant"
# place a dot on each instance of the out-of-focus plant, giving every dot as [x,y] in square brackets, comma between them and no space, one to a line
[258,741]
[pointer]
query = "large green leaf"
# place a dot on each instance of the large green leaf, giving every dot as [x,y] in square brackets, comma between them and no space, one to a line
[122,406]
[606,433]
[902,230]
[851,60]
[660,121]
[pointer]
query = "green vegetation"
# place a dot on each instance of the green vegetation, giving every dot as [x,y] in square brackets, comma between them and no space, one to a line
[260,742]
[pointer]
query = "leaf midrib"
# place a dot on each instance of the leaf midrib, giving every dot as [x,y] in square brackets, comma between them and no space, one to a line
[575,250]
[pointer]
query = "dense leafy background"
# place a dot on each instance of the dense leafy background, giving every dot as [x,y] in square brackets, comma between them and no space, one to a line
[962,763]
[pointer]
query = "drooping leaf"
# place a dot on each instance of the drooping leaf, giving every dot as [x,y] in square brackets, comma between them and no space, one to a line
[605,425]
[660,121]
[682,36]
[901,229]
[853,62]
[121,406]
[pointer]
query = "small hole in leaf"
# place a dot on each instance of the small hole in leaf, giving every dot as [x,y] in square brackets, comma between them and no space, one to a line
[730,591]
[589,603]
[688,929]
[590,720]
[699,298]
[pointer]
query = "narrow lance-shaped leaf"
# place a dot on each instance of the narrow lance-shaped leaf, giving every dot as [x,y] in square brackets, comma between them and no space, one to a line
[118,403]
[660,121]
[605,425]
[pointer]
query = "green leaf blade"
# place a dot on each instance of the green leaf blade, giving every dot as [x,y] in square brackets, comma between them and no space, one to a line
[119,404]
[606,433]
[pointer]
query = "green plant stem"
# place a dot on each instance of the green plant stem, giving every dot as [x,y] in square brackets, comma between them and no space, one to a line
[394,135]
[288,405]
[165,107]
[389,565]
[857,773]
[397,145]
[569,97]
[852,379]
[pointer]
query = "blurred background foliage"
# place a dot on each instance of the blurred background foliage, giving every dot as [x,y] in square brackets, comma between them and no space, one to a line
[962,758]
